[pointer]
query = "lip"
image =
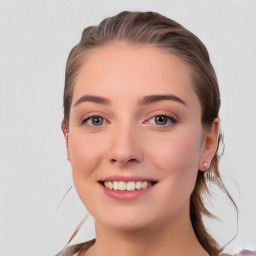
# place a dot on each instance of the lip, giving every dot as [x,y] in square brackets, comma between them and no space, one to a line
[127,178]
[126,195]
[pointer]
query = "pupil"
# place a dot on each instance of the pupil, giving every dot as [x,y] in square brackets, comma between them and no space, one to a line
[161,120]
[97,121]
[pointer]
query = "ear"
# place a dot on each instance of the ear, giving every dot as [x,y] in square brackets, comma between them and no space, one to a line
[209,145]
[65,132]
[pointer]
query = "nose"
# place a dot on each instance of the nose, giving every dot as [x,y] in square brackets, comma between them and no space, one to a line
[125,146]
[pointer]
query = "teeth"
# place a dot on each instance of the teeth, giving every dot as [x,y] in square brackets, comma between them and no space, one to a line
[121,185]
[110,185]
[144,184]
[127,186]
[130,186]
[106,184]
[138,185]
[115,185]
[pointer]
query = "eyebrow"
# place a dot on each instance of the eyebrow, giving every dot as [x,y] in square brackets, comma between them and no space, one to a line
[92,98]
[145,101]
[155,98]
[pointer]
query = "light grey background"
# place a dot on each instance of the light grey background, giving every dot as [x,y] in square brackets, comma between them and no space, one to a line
[35,39]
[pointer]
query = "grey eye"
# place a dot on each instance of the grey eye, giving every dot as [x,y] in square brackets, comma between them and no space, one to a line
[97,121]
[94,121]
[161,120]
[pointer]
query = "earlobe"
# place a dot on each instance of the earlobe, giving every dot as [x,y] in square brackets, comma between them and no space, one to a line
[65,132]
[205,166]
[210,146]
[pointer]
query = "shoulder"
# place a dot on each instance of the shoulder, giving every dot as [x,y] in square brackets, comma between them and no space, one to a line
[74,250]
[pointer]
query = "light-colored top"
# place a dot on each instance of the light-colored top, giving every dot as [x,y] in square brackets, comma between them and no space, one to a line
[246,252]
[73,250]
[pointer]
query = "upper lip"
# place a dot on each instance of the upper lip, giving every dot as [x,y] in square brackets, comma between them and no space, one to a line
[127,178]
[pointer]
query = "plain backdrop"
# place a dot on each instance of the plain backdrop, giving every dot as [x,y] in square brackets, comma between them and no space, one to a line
[35,39]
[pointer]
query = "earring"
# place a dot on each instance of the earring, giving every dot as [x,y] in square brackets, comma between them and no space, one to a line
[205,166]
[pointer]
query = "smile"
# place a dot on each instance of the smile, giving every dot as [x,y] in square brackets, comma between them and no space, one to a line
[127,186]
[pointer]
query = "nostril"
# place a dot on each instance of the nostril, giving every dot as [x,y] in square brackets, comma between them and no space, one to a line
[127,161]
[131,160]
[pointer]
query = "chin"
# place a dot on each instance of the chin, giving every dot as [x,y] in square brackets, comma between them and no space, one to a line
[126,225]
[124,218]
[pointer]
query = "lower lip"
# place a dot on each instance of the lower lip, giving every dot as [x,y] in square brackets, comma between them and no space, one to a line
[125,195]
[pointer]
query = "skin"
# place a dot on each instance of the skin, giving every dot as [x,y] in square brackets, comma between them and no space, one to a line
[130,142]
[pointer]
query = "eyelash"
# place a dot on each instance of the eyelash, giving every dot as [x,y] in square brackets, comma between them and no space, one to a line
[170,119]
[86,119]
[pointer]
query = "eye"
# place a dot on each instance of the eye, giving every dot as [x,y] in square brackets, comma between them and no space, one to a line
[94,120]
[162,120]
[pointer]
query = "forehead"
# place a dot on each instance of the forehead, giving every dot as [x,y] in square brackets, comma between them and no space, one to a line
[133,71]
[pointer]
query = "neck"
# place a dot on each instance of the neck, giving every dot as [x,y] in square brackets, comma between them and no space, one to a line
[161,239]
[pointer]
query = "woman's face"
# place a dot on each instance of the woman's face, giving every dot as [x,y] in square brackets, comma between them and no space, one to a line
[135,124]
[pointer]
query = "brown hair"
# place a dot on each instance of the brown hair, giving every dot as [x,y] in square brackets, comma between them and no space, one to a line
[138,28]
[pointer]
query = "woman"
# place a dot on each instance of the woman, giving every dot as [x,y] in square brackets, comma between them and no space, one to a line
[141,123]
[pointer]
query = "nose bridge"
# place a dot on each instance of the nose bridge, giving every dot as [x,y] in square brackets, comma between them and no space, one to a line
[125,143]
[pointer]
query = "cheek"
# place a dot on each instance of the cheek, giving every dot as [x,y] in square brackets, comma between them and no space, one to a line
[178,163]
[84,155]
[178,159]
[180,151]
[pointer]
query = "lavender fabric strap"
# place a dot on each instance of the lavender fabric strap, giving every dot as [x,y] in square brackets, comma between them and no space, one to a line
[246,252]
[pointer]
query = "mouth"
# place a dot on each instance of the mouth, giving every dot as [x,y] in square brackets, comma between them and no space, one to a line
[130,185]
[127,186]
